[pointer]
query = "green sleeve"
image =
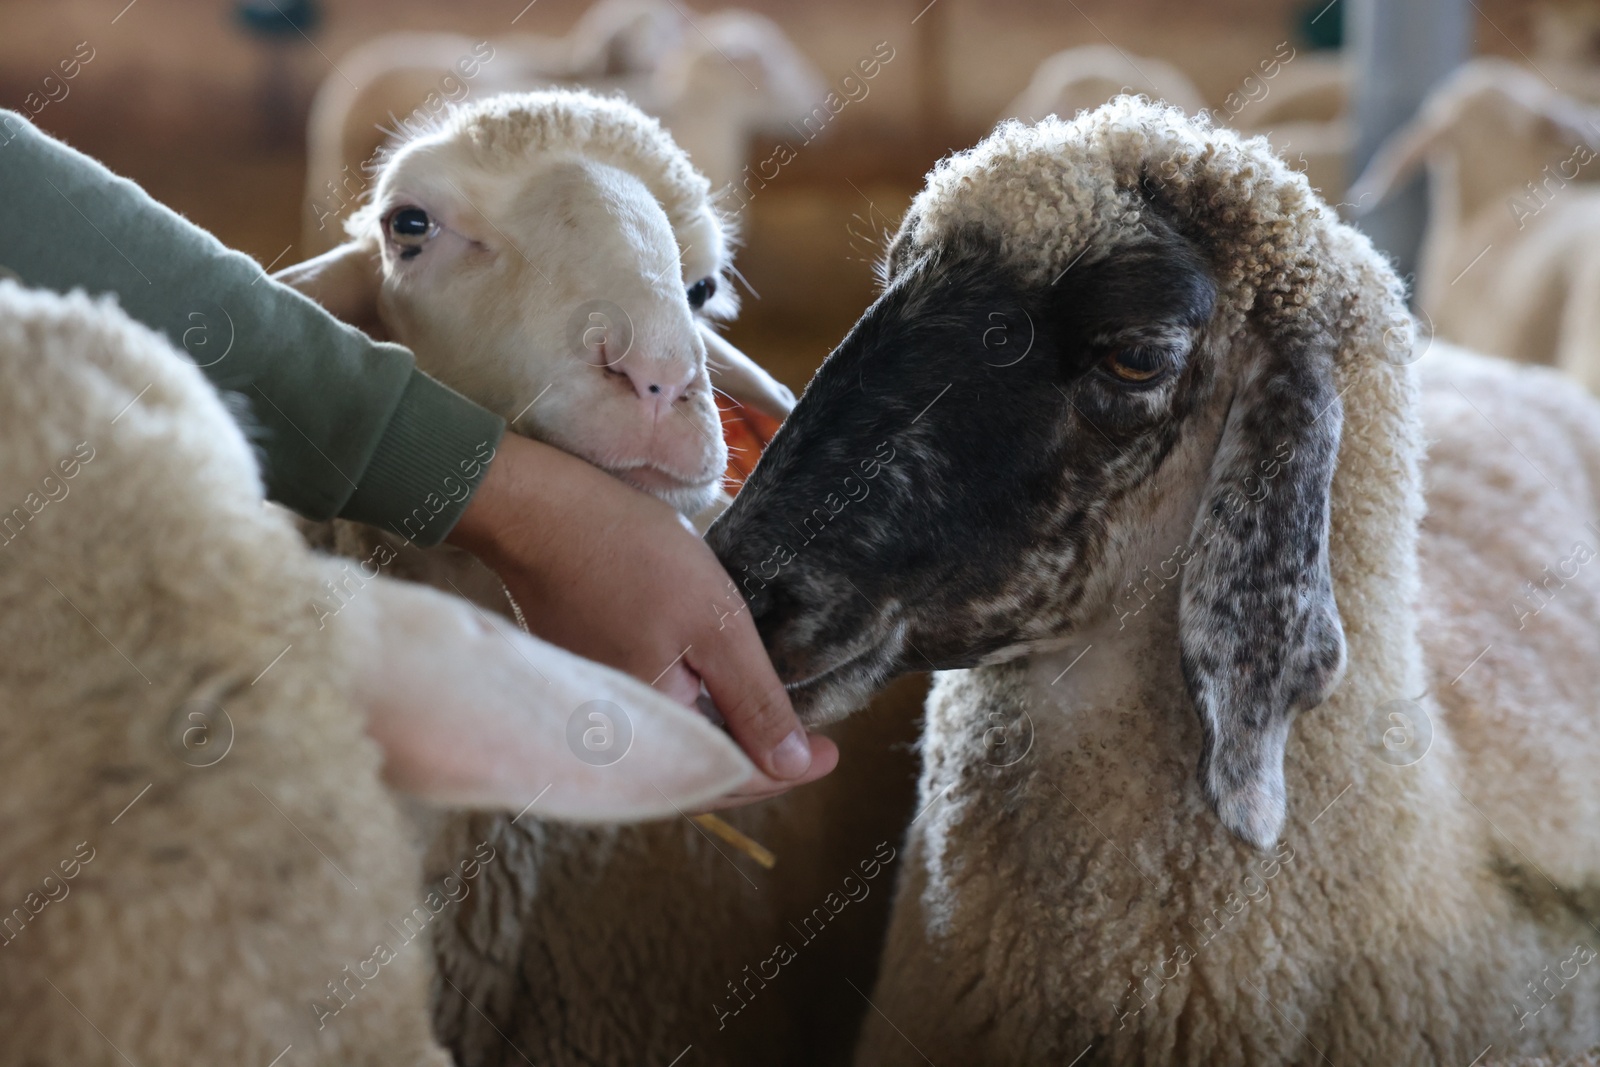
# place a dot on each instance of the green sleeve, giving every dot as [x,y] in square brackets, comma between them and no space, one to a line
[348,425]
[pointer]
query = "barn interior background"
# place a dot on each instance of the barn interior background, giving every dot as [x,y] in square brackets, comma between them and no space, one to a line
[208,104]
[205,103]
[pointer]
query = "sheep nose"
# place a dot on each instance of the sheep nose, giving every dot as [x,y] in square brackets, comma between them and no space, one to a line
[658,382]
[755,587]
[770,603]
[766,596]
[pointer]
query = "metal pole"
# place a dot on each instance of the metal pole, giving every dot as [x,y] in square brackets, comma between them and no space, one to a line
[1401,50]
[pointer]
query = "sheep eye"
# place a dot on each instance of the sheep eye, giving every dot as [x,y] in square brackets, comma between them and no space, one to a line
[1137,366]
[701,291]
[409,227]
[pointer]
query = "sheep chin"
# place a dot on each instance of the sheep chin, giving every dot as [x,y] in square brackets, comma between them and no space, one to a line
[830,702]
[687,498]
[840,691]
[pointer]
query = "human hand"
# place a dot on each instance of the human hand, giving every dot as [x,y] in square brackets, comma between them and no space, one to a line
[615,575]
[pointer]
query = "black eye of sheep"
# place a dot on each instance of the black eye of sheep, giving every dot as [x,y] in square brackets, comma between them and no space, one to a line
[701,291]
[1138,365]
[409,227]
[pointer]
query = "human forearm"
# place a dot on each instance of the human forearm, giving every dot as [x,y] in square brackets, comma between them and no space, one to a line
[347,425]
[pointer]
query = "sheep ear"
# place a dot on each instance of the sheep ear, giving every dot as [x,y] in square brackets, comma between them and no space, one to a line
[743,379]
[343,280]
[1396,160]
[1259,631]
[471,712]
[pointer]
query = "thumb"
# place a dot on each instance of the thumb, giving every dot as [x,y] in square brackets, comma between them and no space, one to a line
[734,666]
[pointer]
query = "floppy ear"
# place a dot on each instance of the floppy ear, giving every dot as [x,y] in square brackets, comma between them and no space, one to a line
[471,712]
[1259,631]
[343,280]
[743,379]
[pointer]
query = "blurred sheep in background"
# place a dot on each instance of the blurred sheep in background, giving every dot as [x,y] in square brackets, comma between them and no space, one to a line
[1081,79]
[1511,258]
[716,83]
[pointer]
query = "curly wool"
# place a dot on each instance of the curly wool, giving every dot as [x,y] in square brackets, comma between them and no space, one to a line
[1060,191]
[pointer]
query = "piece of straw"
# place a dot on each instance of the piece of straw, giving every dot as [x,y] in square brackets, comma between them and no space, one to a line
[750,847]
[732,836]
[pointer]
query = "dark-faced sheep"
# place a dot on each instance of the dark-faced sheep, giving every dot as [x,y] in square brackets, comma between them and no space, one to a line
[1156,502]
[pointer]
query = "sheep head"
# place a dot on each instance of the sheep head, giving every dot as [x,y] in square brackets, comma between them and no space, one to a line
[1102,345]
[1488,129]
[556,258]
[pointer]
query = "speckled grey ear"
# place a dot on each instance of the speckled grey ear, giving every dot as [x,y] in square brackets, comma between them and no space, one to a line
[1260,632]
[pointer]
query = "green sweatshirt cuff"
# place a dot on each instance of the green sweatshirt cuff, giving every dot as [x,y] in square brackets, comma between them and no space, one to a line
[431,457]
[346,425]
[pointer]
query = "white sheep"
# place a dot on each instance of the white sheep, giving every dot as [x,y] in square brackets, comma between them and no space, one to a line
[555,257]
[716,82]
[198,860]
[399,83]
[1083,78]
[1158,484]
[1508,263]
[1566,46]
[538,207]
